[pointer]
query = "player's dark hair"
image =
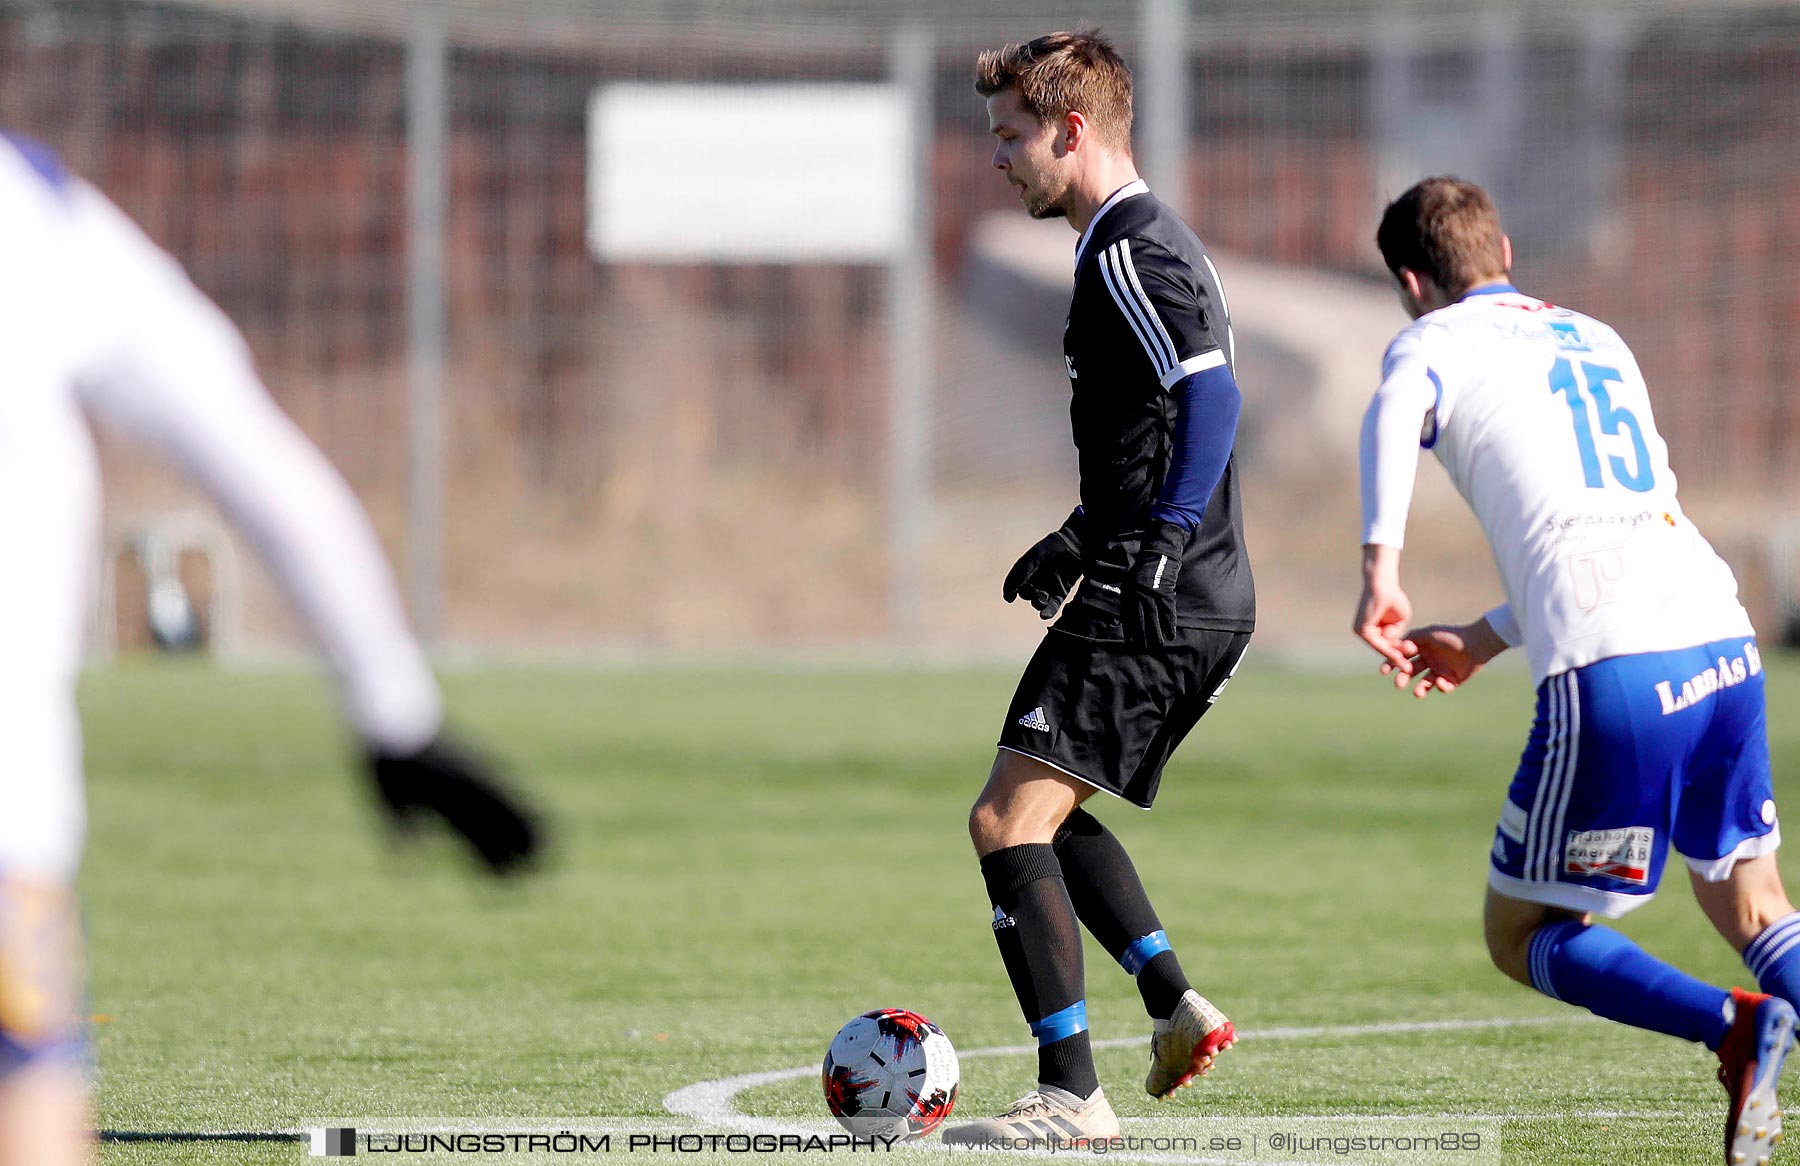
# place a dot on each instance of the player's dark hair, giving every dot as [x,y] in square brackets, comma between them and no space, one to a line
[1445,228]
[1062,72]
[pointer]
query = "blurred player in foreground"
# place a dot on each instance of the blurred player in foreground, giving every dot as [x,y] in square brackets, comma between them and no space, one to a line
[94,318]
[1650,728]
[1167,603]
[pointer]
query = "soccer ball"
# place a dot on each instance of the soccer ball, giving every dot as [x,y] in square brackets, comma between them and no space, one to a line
[890,1073]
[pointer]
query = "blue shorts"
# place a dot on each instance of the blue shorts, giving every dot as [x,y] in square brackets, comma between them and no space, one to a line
[1627,757]
[40,975]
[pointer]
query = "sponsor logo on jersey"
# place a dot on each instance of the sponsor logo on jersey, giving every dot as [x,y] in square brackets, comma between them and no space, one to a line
[1035,720]
[1622,854]
[1724,674]
[1562,523]
[1070,361]
[1568,337]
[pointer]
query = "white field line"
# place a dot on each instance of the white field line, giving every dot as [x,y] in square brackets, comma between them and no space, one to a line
[533,1125]
[714,1103]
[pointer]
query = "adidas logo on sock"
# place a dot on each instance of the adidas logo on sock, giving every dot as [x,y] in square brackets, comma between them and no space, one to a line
[1035,720]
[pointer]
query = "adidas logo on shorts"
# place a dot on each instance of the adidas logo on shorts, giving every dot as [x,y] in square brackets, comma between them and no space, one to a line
[1035,720]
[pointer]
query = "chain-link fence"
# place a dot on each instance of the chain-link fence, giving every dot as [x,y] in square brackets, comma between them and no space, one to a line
[569,449]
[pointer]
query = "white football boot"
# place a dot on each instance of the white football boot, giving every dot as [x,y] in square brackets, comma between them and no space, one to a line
[1047,1116]
[1183,1046]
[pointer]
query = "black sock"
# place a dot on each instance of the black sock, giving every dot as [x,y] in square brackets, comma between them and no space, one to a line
[1040,944]
[1161,984]
[1109,899]
[1069,1064]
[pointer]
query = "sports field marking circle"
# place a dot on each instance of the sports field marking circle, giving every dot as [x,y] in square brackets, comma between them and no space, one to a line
[714,1103]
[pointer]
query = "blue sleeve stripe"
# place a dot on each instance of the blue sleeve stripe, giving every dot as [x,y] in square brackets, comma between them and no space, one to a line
[42,159]
[1427,441]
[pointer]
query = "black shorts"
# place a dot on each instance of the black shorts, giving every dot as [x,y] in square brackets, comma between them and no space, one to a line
[1111,714]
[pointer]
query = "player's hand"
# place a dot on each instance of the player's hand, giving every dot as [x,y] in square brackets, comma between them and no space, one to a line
[1148,610]
[1045,573]
[1384,610]
[443,780]
[1445,657]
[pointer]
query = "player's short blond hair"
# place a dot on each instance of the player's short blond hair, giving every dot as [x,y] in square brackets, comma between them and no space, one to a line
[1061,73]
[1446,228]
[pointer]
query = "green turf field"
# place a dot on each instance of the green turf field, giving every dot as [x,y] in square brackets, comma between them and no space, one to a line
[744,860]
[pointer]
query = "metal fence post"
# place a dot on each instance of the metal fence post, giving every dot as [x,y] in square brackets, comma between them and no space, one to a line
[1163,99]
[912,351]
[427,139]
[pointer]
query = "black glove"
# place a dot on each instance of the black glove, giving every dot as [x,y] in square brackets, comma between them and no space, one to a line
[1044,574]
[445,780]
[1148,611]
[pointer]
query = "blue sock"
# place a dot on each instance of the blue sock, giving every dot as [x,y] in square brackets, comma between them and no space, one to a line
[1774,958]
[1607,974]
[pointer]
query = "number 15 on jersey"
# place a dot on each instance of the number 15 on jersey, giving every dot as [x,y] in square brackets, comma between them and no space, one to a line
[1635,474]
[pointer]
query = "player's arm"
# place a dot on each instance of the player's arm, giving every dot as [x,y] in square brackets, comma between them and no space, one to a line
[1445,656]
[1398,421]
[1180,332]
[1044,574]
[1207,404]
[169,369]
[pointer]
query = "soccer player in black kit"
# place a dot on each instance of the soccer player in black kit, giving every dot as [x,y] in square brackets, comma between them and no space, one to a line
[1165,606]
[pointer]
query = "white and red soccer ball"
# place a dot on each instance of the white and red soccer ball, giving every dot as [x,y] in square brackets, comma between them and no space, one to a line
[890,1073]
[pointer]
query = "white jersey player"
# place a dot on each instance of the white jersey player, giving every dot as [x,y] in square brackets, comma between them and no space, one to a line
[1650,730]
[95,320]
[1571,482]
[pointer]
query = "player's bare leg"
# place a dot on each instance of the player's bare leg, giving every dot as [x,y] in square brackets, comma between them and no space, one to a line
[1746,903]
[44,1117]
[1508,925]
[1023,802]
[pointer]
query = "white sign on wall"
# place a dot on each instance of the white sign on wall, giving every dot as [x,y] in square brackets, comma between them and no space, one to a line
[752,173]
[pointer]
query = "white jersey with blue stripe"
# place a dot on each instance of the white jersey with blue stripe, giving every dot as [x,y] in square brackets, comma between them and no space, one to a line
[1543,420]
[95,319]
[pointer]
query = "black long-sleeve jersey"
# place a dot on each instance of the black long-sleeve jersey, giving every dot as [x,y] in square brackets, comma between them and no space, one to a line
[1147,312]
